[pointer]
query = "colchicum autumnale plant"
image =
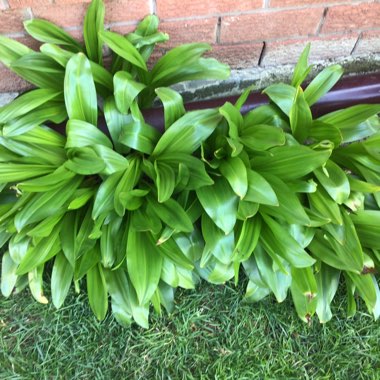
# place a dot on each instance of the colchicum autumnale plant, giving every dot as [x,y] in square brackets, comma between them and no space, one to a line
[290,201]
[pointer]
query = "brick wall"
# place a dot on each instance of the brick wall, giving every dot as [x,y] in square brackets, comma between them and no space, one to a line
[244,33]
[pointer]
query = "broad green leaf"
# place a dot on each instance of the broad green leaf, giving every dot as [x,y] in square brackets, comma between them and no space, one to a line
[19,172]
[290,162]
[196,167]
[234,119]
[123,192]
[83,134]
[8,275]
[300,117]
[26,103]
[322,83]
[356,122]
[321,131]
[139,136]
[126,90]
[172,251]
[146,219]
[114,161]
[218,244]
[53,111]
[187,133]
[107,242]
[48,182]
[93,24]
[84,161]
[248,239]
[220,203]
[276,280]
[172,214]
[61,56]
[61,278]
[289,206]
[104,198]
[321,202]
[268,114]
[46,204]
[303,291]
[80,92]
[11,50]
[305,280]
[122,47]
[239,104]
[262,137]
[327,282]
[173,105]
[97,292]
[46,226]
[335,181]
[36,284]
[144,264]
[259,190]
[282,95]
[165,181]
[347,256]
[180,55]
[44,250]
[247,210]
[43,136]
[255,293]
[302,68]
[119,290]
[366,289]
[39,70]
[45,31]
[80,197]
[115,122]
[367,225]
[102,77]
[289,248]
[235,172]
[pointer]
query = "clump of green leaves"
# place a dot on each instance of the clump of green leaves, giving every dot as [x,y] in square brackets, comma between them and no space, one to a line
[291,201]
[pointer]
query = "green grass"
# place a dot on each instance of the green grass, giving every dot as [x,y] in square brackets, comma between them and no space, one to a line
[212,334]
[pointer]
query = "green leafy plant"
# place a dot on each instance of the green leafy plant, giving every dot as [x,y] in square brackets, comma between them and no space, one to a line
[288,200]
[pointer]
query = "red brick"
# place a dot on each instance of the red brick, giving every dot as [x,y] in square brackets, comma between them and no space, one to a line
[237,56]
[64,15]
[70,1]
[350,17]
[122,29]
[126,10]
[322,48]
[11,20]
[190,31]
[10,82]
[368,43]
[30,42]
[269,25]
[304,3]
[28,3]
[187,8]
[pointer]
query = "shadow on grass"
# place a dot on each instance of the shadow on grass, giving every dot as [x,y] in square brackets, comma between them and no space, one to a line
[212,334]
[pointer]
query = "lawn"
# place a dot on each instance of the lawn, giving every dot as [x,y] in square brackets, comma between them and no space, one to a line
[212,334]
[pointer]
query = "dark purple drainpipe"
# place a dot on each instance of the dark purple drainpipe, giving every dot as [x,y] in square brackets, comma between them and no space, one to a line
[349,91]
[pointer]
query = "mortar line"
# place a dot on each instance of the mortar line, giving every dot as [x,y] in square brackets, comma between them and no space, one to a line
[322,22]
[153,7]
[262,54]
[218,30]
[357,43]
